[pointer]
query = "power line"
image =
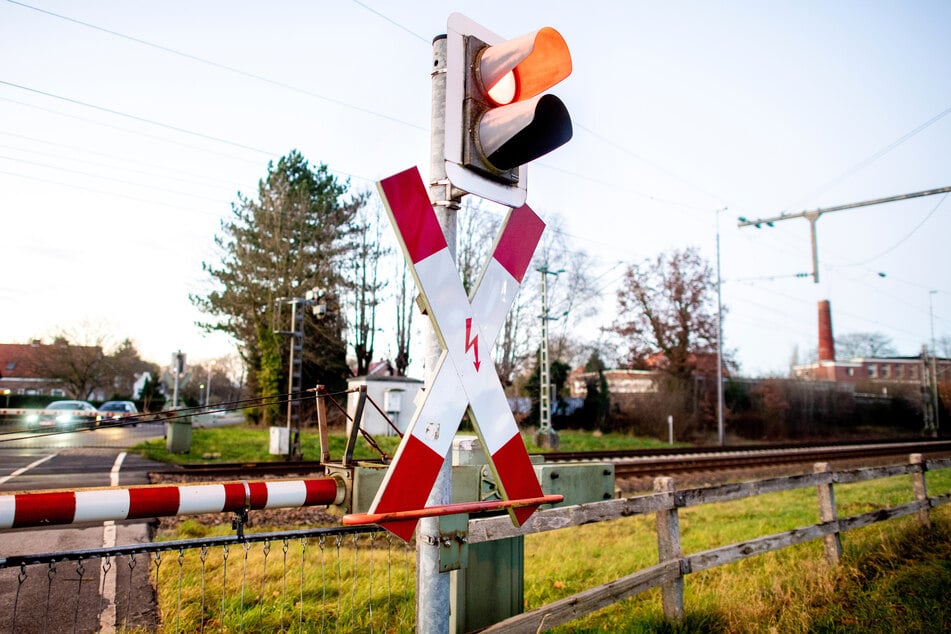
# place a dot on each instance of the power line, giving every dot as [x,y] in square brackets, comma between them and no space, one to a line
[108,193]
[297,89]
[122,159]
[880,153]
[813,216]
[393,22]
[129,131]
[133,117]
[107,165]
[218,65]
[110,178]
[910,234]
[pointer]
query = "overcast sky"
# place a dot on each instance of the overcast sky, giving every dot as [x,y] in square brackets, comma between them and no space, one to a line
[127,129]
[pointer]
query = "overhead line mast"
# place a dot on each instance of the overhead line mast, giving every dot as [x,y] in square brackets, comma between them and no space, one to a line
[813,215]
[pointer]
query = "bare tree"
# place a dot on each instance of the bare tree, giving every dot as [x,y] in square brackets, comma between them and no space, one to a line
[126,367]
[76,359]
[368,252]
[667,307]
[405,307]
[863,344]
[943,345]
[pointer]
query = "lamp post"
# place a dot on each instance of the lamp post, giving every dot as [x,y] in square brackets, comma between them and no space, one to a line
[721,438]
[211,366]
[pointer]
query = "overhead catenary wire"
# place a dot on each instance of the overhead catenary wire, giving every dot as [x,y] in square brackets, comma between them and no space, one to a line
[369,111]
[220,66]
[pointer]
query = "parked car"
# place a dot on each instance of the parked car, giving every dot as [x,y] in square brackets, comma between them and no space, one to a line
[64,415]
[118,413]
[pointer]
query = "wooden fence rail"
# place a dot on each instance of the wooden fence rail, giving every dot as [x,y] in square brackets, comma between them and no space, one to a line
[674,566]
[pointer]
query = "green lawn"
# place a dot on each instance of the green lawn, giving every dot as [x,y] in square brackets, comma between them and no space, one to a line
[895,576]
[250,444]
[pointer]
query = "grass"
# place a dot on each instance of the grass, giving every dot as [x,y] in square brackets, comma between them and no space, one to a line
[350,583]
[894,576]
[250,444]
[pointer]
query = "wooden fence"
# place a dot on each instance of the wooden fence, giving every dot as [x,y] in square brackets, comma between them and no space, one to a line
[673,565]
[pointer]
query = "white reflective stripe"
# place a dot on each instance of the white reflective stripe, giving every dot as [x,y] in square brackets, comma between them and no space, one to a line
[491,409]
[493,299]
[99,506]
[201,498]
[286,494]
[8,507]
[435,421]
[440,284]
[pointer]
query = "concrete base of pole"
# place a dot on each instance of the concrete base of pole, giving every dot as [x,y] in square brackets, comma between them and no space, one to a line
[547,439]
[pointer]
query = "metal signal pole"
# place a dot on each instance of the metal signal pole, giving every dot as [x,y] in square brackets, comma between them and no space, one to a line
[433,586]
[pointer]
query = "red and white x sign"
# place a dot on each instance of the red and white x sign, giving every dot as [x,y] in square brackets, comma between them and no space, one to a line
[465,375]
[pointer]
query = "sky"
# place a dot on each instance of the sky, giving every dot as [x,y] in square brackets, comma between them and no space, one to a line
[127,129]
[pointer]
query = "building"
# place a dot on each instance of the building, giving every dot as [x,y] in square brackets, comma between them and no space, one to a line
[20,370]
[618,381]
[394,395]
[861,370]
[24,370]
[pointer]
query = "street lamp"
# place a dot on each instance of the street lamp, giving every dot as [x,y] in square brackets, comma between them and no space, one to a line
[211,366]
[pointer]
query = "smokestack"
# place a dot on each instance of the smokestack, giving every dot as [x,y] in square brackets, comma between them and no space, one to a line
[826,340]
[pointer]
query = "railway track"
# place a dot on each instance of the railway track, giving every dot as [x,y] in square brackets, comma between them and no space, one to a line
[643,463]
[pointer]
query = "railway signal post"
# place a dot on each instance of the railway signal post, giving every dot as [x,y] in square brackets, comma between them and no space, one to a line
[489,118]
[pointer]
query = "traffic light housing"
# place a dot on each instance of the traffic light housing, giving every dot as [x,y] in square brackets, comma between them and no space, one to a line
[497,117]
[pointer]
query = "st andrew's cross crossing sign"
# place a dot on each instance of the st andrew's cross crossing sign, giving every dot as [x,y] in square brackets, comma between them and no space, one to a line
[464,376]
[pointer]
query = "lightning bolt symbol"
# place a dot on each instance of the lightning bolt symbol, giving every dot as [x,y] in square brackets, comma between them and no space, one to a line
[472,343]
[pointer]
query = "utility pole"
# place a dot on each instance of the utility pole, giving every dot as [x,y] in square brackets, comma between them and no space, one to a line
[178,367]
[813,216]
[546,436]
[295,365]
[927,399]
[721,433]
[934,366]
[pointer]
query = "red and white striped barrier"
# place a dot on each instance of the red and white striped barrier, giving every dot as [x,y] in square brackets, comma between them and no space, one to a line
[83,506]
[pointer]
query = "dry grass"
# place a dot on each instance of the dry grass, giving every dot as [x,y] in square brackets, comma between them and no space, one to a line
[895,576]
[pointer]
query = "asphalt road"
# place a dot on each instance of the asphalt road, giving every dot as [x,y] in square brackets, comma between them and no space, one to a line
[70,596]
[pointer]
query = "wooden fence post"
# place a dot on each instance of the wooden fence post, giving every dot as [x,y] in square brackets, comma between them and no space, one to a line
[920,488]
[668,548]
[827,514]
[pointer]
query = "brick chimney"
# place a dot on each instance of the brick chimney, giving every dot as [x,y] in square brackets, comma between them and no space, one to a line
[826,340]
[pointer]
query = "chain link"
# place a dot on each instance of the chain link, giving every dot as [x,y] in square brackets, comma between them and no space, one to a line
[21,579]
[80,571]
[50,573]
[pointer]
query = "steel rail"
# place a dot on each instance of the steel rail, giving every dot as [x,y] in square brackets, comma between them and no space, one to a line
[644,462]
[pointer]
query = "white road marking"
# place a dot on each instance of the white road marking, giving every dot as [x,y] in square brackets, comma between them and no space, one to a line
[107,620]
[23,470]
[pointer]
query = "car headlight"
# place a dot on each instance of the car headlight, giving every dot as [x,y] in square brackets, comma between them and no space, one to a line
[32,418]
[62,419]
